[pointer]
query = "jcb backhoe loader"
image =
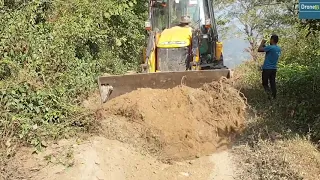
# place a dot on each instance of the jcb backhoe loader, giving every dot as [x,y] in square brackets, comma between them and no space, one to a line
[182,45]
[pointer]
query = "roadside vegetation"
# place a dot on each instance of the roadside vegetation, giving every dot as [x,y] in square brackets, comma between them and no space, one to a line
[282,137]
[51,53]
[297,106]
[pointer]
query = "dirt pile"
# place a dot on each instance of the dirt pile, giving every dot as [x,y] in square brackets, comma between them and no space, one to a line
[179,123]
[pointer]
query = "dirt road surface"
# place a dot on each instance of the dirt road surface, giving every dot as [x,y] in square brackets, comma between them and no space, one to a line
[103,159]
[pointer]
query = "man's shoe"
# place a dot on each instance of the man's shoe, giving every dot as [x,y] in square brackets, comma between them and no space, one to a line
[269,97]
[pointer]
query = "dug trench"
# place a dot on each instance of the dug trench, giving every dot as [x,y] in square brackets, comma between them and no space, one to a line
[147,134]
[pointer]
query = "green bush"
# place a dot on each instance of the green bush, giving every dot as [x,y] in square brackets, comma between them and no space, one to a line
[298,82]
[51,53]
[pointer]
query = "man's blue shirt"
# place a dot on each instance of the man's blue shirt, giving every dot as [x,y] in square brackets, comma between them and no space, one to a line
[273,53]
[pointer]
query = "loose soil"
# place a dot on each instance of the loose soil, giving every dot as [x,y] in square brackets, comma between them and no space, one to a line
[179,123]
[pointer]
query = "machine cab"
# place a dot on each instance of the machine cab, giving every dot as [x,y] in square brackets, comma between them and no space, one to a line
[167,13]
[175,47]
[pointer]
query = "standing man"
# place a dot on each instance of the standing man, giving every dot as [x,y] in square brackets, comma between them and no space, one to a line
[270,65]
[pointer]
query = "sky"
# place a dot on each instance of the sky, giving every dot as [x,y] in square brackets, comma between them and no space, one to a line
[233,43]
[233,48]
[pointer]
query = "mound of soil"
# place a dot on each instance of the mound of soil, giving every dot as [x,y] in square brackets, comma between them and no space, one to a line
[179,123]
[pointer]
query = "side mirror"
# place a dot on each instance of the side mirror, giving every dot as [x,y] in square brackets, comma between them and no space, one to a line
[208,23]
[147,26]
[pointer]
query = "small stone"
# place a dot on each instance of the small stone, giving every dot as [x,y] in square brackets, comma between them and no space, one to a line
[53,160]
[34,127]
[70,162]
[8,143]
[35,169]
[185,174]
[44,143]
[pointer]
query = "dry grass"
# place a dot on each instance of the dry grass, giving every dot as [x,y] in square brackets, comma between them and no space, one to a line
[261,155]
[271,148]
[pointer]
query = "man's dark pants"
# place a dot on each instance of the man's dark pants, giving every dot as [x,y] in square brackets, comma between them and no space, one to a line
[269,75]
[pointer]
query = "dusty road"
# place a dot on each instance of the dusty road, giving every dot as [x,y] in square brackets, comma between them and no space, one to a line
[103,159]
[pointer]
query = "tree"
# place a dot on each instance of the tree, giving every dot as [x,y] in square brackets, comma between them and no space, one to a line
[256,18]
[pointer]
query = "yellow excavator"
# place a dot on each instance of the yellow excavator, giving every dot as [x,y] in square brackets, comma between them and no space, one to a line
[182,45]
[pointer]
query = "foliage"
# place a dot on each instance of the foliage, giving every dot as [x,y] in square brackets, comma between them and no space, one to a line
[254,17]
[297,105]
[299,82]
[298,85]
[51,53]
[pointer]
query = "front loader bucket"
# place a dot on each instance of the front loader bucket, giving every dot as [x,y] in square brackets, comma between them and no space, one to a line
[113,86]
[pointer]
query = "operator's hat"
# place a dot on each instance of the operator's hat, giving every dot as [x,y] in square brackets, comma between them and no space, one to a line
[185,19]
